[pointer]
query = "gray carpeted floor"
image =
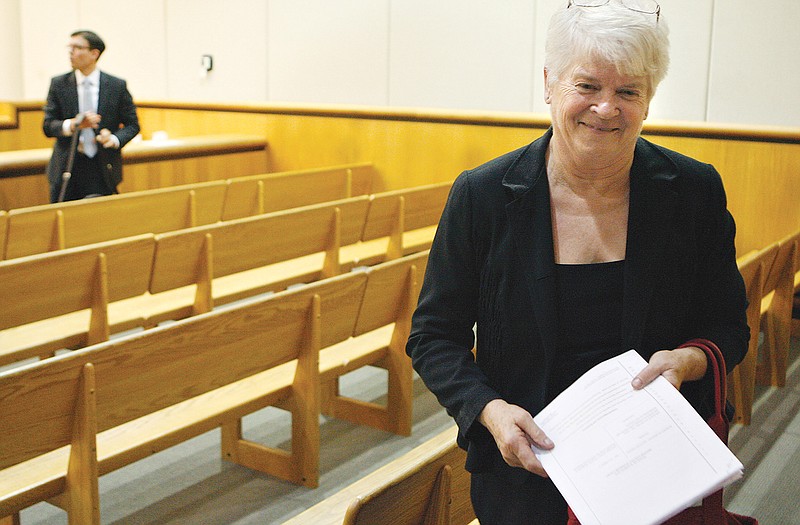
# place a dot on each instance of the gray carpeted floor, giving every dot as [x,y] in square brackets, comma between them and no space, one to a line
[190,484]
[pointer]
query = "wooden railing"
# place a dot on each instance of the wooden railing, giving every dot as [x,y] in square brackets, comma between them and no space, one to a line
[412,147]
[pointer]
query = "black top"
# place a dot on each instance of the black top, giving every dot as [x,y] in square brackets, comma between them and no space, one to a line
[589,302]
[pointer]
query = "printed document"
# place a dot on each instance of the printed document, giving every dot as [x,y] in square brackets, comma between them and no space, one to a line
[625,456]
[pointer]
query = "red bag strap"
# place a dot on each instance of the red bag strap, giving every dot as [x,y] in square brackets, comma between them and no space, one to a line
[718,421]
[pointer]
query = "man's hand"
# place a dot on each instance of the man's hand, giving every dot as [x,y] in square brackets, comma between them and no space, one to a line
[514,432]
[679,365]
[106,139]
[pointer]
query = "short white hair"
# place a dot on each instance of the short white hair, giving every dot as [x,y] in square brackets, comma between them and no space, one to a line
[636,43]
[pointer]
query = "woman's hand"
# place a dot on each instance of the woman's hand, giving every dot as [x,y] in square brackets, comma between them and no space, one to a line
[514,432]
[679,365]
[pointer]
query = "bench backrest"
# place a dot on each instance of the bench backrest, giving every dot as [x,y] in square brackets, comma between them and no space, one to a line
[754,268]
[391,294]
[253,242]
[428,485]
[421,206]
[50,284]
[157,368]
[269,192]
[784,266]
[57,226]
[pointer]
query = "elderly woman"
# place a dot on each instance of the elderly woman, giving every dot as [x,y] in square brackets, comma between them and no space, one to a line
[586,243]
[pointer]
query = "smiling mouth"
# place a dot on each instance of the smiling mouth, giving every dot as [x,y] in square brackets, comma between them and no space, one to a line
[600,128]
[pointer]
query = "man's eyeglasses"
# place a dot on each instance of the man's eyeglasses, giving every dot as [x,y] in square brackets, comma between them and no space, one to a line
[72,47]
[648,7]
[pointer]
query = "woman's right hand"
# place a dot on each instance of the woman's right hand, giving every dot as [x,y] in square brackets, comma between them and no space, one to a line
[515,432]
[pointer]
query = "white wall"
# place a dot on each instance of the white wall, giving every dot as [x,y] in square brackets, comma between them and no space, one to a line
[10,54]
[732,60]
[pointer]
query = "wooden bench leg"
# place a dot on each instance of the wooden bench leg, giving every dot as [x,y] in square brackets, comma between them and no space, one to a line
[10,520]
[438,510]
[301,465]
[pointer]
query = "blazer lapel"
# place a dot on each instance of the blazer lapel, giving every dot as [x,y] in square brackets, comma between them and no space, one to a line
[532,232]
[650,219]
[71,96]
[103,88]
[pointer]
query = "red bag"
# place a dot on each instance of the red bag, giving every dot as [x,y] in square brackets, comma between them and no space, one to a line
[711,512]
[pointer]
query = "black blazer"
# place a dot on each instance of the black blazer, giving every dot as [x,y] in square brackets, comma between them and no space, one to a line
[492,263]
[115,106]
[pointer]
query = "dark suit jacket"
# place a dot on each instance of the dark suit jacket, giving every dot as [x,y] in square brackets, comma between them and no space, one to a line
[492,263]
[115,106]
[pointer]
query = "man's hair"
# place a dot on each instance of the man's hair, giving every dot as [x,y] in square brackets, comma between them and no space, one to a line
[95,42]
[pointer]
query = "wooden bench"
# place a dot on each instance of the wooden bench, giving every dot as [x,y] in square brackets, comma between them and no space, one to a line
[77,223]
[49,416]
[776,311]
[220,263]
[378,339]
[426,485]
[72,297]
[231,260]
[63,225]
[258,194]
[160,387]
[400,222]
[754,268]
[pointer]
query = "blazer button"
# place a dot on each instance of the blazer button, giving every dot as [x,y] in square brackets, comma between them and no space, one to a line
[109,167]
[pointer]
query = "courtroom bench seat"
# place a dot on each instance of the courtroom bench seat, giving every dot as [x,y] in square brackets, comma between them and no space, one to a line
[220,263]
[428,484]
[160,387]
[64,225]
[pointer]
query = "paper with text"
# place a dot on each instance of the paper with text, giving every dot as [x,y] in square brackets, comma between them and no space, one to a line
[625,456]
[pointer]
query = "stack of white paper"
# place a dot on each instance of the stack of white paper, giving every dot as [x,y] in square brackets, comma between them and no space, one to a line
[625,456]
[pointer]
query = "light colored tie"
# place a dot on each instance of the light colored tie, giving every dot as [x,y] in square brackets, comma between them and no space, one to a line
[87,134]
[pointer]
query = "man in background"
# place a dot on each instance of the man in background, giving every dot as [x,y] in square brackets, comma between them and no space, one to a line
[97,106]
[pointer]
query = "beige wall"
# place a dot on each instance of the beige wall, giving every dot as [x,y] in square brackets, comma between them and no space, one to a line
[731,59]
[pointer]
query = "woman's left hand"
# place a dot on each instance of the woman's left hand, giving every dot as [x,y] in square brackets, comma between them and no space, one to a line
[678,365]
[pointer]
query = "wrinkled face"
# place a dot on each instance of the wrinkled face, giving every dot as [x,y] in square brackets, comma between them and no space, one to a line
[597,111]
[80,56]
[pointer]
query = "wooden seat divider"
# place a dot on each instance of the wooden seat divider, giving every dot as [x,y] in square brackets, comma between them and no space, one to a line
[754,267]
[400,222]
[776,312]
[72,297]
[160,387]
[427,485]
[265,193]
[378,339]
[3,230]
[49,416]
[77,223]
[231,260]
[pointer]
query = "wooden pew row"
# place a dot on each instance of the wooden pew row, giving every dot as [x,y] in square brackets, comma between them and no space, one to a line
[220,263]
[65,225]
[78,223]
[776,311]
[426,485]
[400,222]
[285,248]
[259,194]
[754,268]
[72,297]
[70,419]
[235,259]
